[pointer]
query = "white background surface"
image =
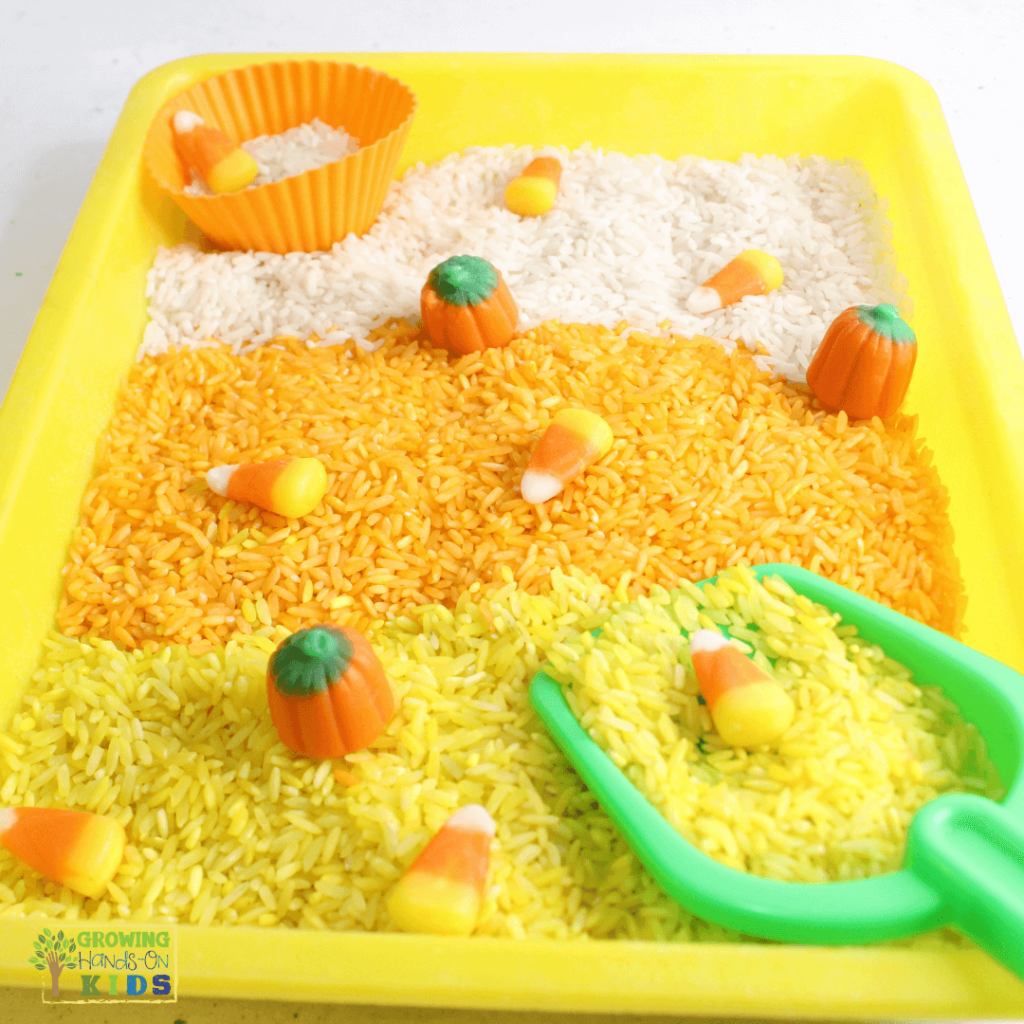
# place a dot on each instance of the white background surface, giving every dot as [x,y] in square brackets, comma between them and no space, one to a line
[66,68]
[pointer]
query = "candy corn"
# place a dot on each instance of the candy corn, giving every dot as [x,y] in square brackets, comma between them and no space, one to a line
[289,487]
[80,850]
[442,892]
[223,165]
[573,441]
[751,273]
[747,706]
[534,191]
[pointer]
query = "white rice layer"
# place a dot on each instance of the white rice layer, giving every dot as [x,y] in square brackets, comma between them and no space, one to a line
[629,238]
[297,150]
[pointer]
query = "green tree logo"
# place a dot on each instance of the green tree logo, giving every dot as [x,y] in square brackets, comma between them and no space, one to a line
[54,952]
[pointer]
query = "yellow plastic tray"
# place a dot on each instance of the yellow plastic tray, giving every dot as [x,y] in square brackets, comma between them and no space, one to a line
[968,390]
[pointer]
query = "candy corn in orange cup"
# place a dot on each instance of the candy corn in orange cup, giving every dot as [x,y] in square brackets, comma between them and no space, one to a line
[574,440]
[753,272]
[305,212]
[74,848]
[747,706]
[287,487]
[222,164]
[441,894]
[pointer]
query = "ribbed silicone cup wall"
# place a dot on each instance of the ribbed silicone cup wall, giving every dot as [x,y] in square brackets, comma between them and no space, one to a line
[306,212]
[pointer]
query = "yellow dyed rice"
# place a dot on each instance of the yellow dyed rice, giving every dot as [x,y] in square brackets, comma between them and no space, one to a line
[714,464]
[833,798]
[227,827]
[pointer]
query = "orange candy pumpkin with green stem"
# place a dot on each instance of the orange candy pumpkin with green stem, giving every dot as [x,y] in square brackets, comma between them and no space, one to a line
[327,692]
[467,307]
[864,363]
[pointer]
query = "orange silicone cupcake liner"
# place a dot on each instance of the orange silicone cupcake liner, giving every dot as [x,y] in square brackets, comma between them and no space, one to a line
[309,211]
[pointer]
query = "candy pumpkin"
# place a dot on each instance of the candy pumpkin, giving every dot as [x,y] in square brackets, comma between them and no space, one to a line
[864,363]
[467,307]
[327,692]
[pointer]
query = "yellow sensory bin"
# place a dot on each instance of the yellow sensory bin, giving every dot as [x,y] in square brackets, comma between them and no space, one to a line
[967,396]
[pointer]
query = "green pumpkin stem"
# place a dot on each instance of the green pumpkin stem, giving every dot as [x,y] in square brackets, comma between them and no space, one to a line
[464,280]
[886,322]
[309,661]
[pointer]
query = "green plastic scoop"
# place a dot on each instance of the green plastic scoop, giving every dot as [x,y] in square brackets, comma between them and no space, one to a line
[964,864]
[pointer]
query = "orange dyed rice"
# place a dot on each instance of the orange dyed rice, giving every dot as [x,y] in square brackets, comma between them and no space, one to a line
[714,464]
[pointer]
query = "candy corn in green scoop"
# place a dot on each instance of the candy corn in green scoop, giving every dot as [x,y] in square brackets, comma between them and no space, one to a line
[748,707]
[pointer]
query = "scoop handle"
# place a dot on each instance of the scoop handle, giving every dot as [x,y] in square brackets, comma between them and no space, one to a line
[970,851]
